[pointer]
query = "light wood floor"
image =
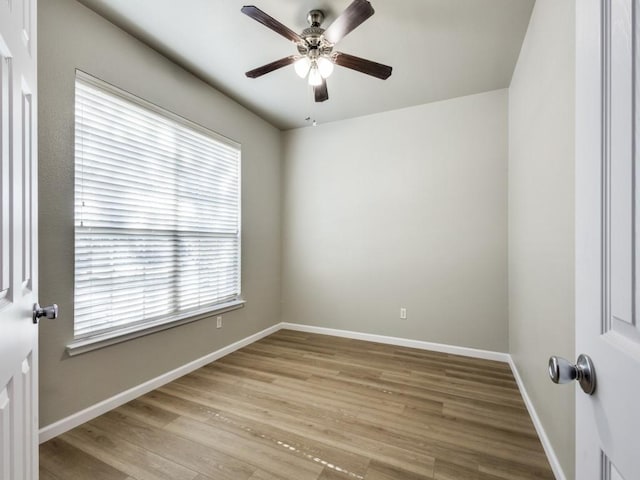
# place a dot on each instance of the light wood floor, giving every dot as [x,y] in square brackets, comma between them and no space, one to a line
[300,406]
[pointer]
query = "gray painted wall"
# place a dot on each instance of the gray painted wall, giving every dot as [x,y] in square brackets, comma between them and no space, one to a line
[541,216]
[70,37]
[405,208]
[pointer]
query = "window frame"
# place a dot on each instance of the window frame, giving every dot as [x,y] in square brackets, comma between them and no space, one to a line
[105,337]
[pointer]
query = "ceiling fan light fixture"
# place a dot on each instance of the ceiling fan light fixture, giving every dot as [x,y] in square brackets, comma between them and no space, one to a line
[316,57]
[325,66]
[302,66]
[315,79]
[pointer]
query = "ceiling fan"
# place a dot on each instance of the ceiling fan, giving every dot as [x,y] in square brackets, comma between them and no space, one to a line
[316,57]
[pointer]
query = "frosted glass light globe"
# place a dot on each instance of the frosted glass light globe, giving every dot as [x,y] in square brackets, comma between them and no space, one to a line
[302,66]
[315,78]
[325,66]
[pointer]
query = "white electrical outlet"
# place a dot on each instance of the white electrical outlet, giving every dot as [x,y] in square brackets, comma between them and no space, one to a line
[219,322]
[403,313]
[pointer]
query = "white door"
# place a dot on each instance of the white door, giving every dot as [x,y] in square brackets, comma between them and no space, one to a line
[608,237]
[18,247]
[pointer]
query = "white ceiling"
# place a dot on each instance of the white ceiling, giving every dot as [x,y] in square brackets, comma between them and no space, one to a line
[438,49]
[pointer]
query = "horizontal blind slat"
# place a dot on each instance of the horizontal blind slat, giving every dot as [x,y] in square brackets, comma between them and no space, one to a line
[128,152]
[157,214]
[90,101]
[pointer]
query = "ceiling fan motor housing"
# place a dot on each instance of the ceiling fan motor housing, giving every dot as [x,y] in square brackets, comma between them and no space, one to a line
[314,44]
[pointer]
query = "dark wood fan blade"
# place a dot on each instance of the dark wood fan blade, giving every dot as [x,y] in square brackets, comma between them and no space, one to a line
[320,92]
[374,69]
[270,67]
[270,22]
[352,17]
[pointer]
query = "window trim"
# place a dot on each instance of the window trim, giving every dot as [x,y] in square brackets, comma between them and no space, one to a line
[102,339]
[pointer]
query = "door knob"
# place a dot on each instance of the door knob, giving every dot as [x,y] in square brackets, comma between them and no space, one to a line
[50,312]
[562,370]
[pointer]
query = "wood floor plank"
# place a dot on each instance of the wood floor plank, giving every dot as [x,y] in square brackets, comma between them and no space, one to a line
[242,372]
[199,457]
[502,418]
[330,426]
[509,470]
[127,457]
[301,406]
[381,471]
[147,413]
[47,475]
[332,474]
[448,470]
[348,400]
[249,428]
[264,455]
[261,475]
[377,391]
[70,463]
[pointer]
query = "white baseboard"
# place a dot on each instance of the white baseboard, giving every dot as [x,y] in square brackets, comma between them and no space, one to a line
[402,342]
[98,409]
[542,435]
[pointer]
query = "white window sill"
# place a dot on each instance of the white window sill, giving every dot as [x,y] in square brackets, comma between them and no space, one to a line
[87,344]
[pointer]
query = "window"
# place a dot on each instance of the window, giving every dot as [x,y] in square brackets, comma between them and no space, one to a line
[157,215]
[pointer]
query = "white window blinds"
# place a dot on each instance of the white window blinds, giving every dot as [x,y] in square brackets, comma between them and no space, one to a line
[157,213]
